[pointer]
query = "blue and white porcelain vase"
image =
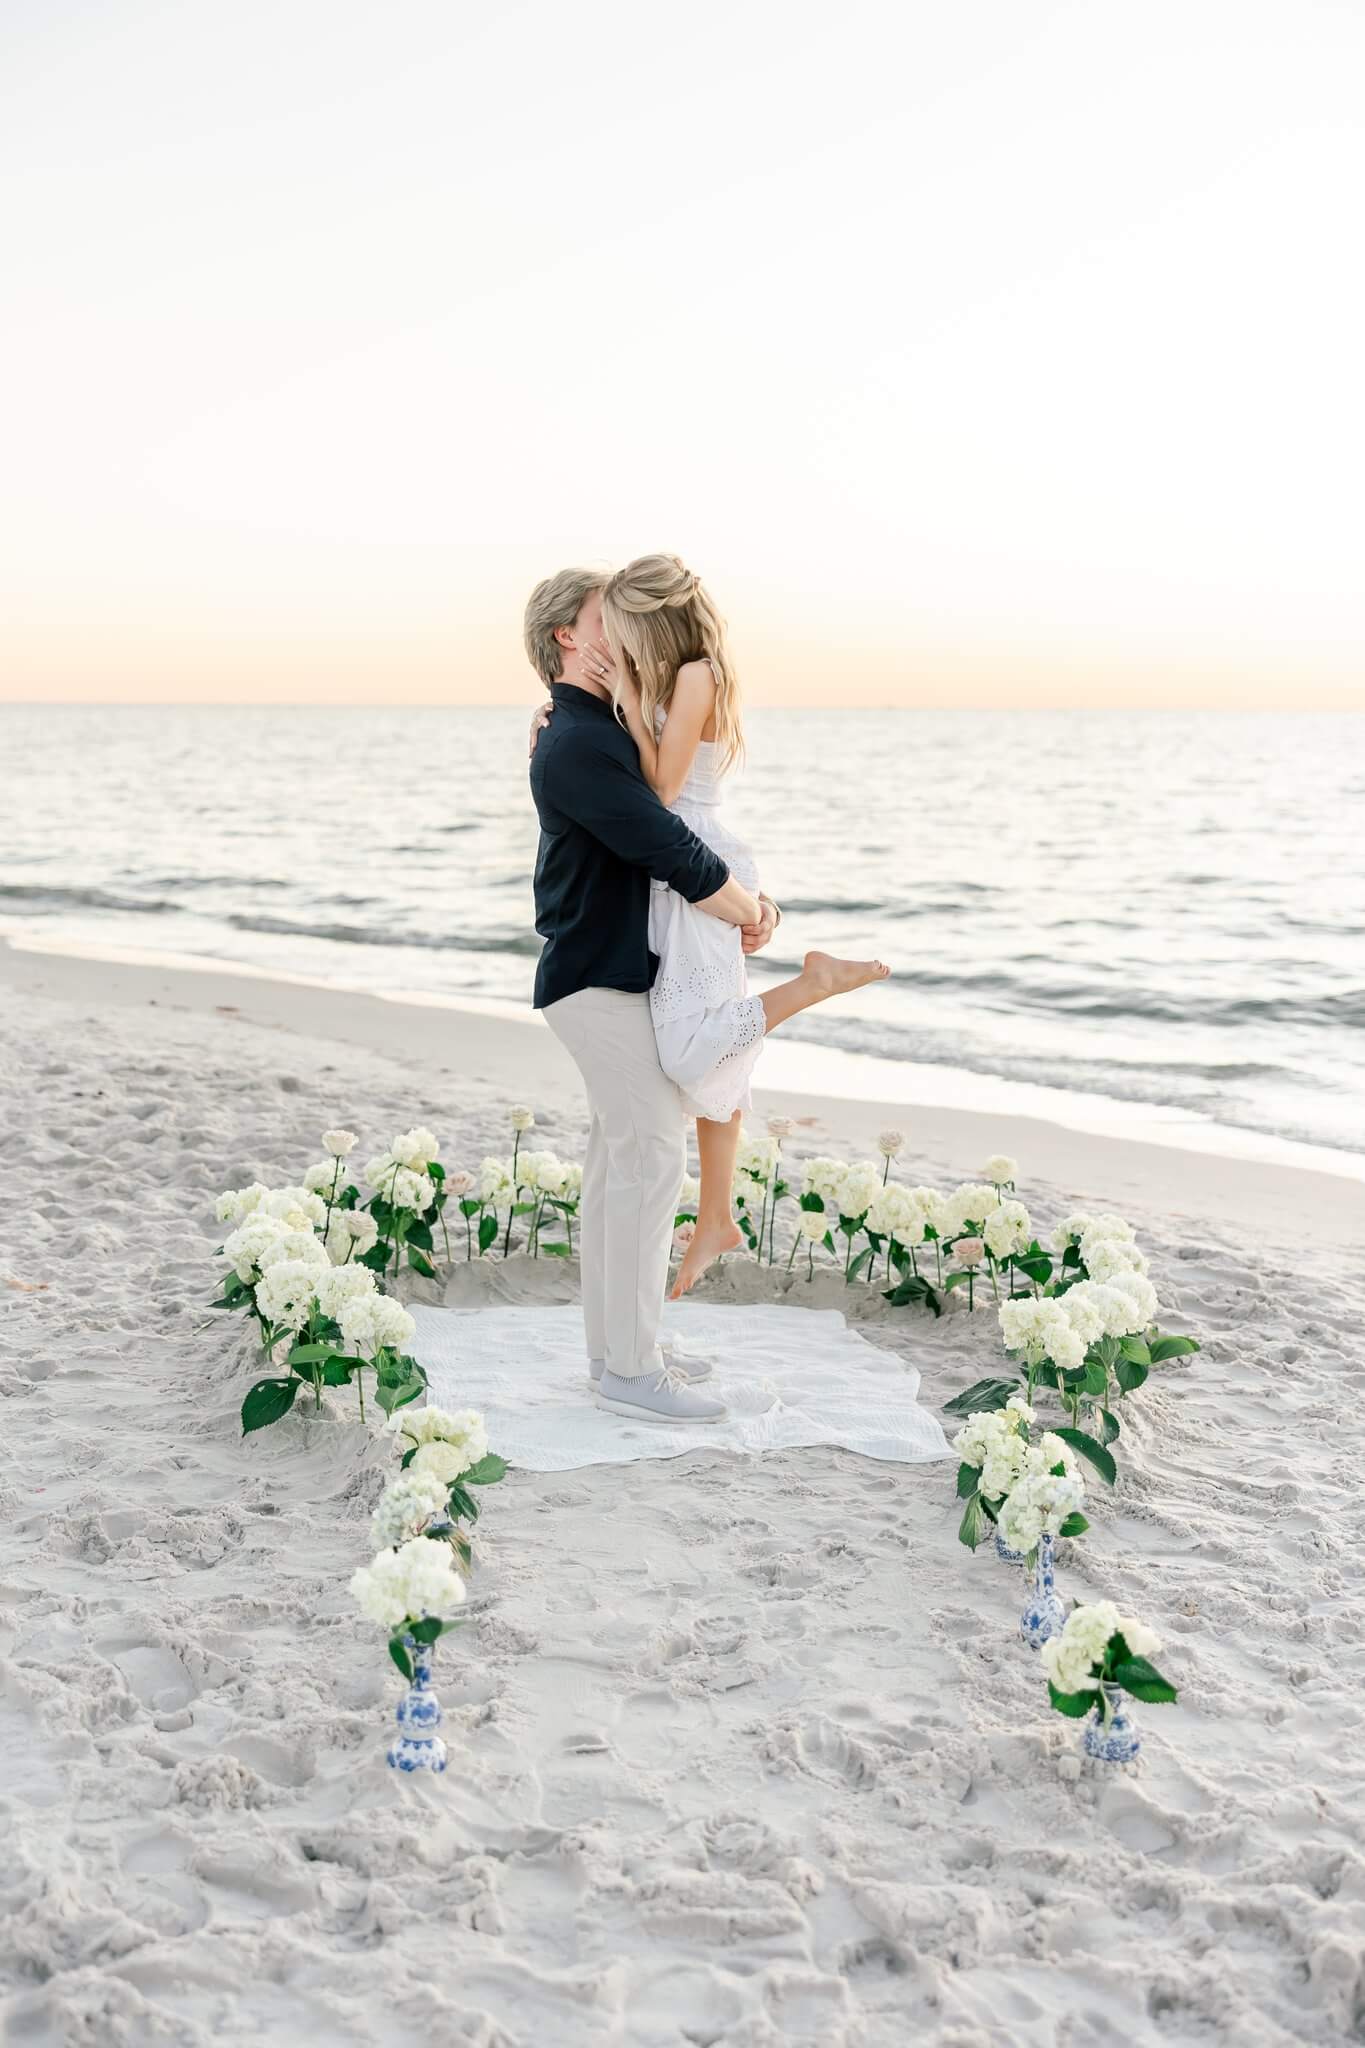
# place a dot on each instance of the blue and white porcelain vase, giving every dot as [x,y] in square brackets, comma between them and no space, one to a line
[418,1714]
[1109,1735]
[1005,1554]
[1043,1617]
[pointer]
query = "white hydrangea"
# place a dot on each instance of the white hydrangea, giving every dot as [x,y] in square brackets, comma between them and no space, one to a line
[1104,1257]
[416,1148]
[972,1202]
[417,1581]
[825,1178]
[522,1118]
[342,1284]
[251,1242]
[285,1293]
[303,1245]
[409,1190]
[690,1192]
[464,1428]
[858,1190]
[897,1212]
[339,1143]
[377,1170]
[1000,1170]
[495,1183]
[394,1328]
[757,1155]
[321,1176]
[234,1205]
[1141,1294]
[298,1207]
[442,1461]
[812,1224]
[1039,1504]
[1069,1231]
[407,1504]
[573,1180]
[1038,1329]
[1007,1230]
[1072,1658]
[1109,1225]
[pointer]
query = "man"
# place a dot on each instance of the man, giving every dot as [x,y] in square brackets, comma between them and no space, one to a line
[604,837]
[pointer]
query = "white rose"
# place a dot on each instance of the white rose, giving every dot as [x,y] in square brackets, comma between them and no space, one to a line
[443,1461]
[889,1143]
[522,1118]
[1000,1170]
[780,1127]
[339,1143]
[683,1236]
[459,1184]
[812,1224]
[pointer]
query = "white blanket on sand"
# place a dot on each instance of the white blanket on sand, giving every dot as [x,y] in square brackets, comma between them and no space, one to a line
[791,1377]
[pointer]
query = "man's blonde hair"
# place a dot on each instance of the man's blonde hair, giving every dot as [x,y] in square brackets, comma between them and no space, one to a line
[555,602]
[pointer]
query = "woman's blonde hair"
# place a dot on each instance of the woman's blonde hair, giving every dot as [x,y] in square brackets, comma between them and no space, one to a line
[658,615]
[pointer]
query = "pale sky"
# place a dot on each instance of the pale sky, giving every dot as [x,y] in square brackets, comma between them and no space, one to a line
[997,353]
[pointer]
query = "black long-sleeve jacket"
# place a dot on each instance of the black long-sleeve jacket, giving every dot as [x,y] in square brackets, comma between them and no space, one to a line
[604,836]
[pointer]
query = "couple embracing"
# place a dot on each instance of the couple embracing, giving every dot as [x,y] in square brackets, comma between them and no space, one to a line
[648,906]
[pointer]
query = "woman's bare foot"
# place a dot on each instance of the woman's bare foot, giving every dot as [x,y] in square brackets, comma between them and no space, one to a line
[838,977]
[708,1242]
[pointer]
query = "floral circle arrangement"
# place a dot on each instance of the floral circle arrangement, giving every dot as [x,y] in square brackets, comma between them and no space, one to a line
[310,1264]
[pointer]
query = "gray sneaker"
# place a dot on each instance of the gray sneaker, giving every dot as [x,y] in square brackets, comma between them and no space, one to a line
[675,1354]
[665,1396]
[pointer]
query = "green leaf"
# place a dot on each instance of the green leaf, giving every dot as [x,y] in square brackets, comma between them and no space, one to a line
[434,1170]
[809,1201]
[1144,1682]
[421,1264]
[1072,1255]
[1136,1349]
[860,1264]
[1074,1525]
[488,1230]
[1095,1376]
[1109,1423]
[523,1208]
[968,1479]
[399,1654]
[376,1258]
[1074,1704]
[266,1402]
[914,1287]
[487,1472]
[1172,1347]
[828,1241]
[419,1234]
[973,1528]
[470,1206]
[337,1370]
[309,1354]
[1086,1447]
[958,1279]
[426,1630]
[1034,1263]
[1130,1375]
[985,1396]
[555,1251]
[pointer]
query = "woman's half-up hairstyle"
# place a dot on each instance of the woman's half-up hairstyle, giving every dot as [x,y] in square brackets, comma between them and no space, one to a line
[657,616]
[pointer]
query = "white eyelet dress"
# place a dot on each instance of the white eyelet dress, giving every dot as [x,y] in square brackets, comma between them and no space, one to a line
[708,1027]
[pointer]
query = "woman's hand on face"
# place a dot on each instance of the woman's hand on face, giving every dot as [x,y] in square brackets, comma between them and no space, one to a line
[600,668]
[540,718]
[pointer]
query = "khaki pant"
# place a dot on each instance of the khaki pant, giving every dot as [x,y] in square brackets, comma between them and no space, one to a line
[632,1172]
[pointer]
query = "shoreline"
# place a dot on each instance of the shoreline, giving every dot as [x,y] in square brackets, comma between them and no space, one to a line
[1280,1189]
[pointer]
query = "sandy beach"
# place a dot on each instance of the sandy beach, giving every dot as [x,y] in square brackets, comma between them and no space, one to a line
[743,1752]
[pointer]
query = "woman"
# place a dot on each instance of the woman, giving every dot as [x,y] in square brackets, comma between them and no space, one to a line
[665,661]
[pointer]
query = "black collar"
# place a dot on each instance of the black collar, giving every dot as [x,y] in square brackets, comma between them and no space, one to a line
[571,693]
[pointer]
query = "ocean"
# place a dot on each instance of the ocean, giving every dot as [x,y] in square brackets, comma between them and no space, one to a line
[1158,908]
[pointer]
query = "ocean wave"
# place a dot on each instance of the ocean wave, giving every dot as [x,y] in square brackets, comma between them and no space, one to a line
[52,896]
[524,943]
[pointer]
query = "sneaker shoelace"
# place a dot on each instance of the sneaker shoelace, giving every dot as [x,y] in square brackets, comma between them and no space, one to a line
[672,1380]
